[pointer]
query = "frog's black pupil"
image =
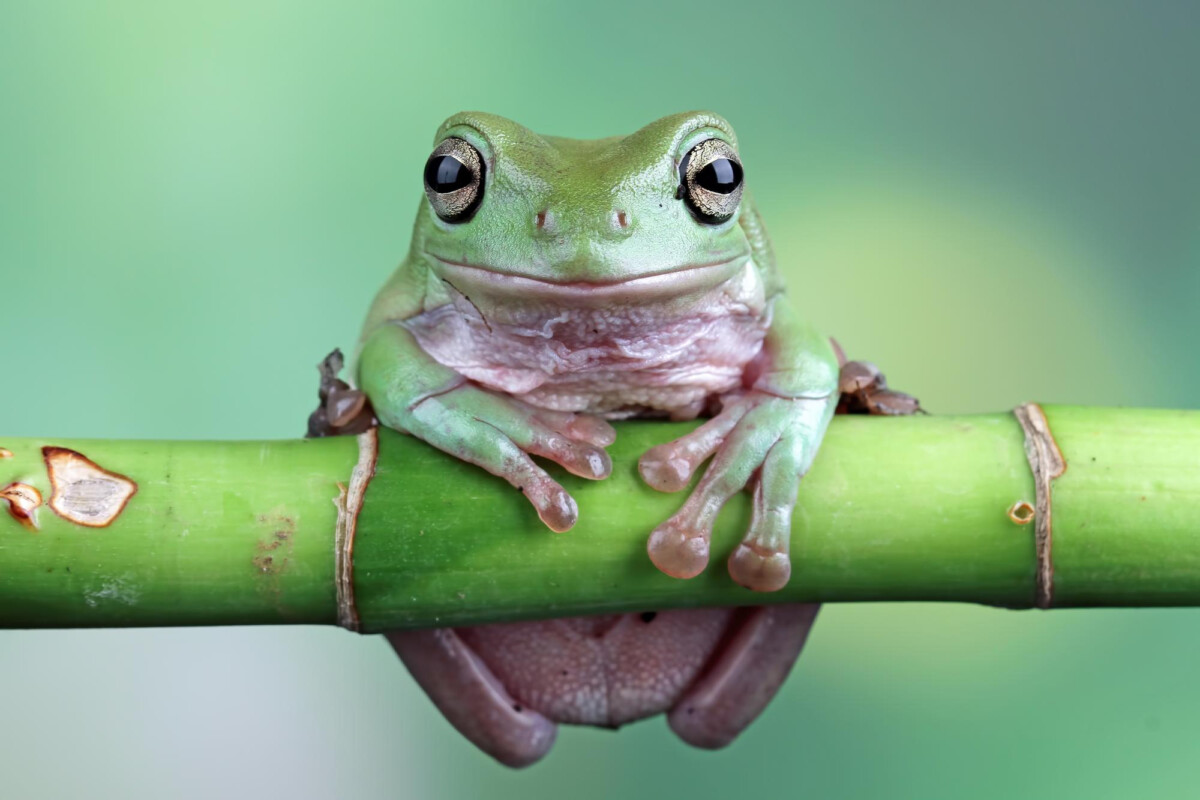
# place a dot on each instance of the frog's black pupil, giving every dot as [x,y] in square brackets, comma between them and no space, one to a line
[721,176]
[446,174]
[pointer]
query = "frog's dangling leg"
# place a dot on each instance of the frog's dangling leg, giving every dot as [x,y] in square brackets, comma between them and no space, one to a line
[744,677]
[471,697]
[679,547]
[761,561]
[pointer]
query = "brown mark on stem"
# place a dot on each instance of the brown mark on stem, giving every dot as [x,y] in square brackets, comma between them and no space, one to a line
[5,453]
[1047,463]
[273,555]
[23,501]
[83,492]
[1021,512]
[275,551]
[349,503]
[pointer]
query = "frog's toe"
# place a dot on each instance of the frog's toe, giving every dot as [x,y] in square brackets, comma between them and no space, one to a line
[669,467]
[759,569]
[590,429]
[679,550]
[577,458]
[555,507]
[544,433]
[662,469]
[761,561]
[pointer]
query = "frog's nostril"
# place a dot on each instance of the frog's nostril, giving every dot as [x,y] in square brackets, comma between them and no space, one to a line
[620,222]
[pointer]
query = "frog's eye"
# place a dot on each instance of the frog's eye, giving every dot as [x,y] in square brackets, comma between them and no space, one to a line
[454,180]
[710,181]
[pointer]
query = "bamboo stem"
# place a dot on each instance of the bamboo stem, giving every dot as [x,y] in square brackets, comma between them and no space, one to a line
[914,508]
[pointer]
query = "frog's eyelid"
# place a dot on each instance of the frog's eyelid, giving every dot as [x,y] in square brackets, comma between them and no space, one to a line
[472,136]
[689,141]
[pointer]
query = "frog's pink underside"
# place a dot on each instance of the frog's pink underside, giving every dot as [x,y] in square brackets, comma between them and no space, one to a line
[664,355]
[605,670]
[505,686]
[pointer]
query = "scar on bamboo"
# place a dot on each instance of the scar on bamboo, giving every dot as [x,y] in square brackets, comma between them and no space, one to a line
[82,491]
[23,501]
[5,453]
[1021,512]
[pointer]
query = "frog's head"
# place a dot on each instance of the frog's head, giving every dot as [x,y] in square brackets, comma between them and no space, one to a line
[653,213]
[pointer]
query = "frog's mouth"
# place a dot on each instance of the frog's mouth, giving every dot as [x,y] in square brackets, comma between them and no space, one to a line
[673,281]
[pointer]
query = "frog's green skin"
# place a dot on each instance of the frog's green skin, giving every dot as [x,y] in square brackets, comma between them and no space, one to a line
[584,289]
[567,230]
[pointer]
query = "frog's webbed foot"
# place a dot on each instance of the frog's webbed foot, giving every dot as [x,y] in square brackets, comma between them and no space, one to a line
[757,437]
[472,698]
[499,434]
[744,677]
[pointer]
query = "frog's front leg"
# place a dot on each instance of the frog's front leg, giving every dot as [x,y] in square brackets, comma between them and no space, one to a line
[767,436]
[411,392]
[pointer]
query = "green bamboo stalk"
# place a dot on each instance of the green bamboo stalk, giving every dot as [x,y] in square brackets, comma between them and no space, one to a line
[913,508]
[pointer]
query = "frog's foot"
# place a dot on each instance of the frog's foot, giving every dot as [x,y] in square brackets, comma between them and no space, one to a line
[758,436]
[745,676]
[343,411]
[499,434]
[864,390]
[471,697]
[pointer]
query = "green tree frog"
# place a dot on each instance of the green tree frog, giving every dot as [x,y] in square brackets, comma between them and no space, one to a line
[553,285]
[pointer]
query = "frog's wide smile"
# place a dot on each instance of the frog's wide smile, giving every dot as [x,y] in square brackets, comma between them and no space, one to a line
[673,280]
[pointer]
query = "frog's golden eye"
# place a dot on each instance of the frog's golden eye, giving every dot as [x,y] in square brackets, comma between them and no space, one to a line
[710,181]
[454,180]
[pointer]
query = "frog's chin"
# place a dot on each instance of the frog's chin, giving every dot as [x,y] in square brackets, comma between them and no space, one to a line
[672,282]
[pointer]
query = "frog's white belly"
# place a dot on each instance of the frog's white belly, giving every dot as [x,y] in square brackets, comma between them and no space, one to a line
[664,355]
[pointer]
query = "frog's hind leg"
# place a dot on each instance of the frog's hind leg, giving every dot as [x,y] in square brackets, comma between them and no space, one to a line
[744,676]
[471,697]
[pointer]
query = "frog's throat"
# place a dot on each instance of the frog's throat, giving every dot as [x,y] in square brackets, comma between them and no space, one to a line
[674,281]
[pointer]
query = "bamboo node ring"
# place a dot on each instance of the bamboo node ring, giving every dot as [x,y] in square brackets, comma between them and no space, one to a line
[1047,463]
[349,503]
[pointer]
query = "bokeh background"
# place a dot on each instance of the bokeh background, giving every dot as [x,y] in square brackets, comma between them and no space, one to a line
[996,201]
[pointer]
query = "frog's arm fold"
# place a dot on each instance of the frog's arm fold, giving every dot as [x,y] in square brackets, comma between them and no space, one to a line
[397,374]
[403,296]
[796,360]
[391,367]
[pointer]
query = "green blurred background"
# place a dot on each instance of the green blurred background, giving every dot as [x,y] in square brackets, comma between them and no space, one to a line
[996,201]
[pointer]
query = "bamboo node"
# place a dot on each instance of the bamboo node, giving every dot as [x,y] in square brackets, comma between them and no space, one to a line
[1047,463]
[349,503]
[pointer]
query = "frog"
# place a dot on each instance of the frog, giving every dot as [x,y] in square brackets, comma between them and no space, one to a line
[552,287]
